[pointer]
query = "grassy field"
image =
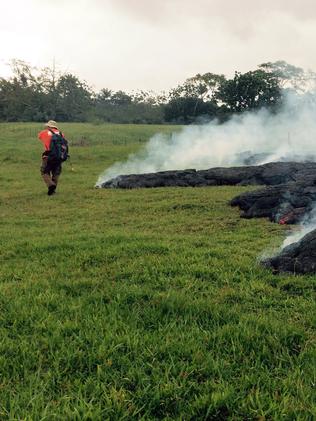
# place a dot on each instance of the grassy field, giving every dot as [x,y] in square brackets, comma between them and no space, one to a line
[142,304]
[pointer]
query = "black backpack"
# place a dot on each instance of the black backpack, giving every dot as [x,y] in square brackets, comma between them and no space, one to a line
[59,149]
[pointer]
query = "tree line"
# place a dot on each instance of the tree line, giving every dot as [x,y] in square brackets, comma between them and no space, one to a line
[32,94]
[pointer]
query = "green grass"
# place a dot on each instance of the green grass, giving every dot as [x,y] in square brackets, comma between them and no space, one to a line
[141,304]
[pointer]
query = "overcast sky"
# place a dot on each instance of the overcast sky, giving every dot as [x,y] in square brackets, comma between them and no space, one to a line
[156,44]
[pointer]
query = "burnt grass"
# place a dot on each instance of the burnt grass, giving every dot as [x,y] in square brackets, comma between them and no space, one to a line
[142,304]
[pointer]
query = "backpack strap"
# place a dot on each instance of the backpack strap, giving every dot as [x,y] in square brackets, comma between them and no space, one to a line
[58,134]
[52,131]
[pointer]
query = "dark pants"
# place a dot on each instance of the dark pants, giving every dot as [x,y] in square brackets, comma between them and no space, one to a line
[50,171]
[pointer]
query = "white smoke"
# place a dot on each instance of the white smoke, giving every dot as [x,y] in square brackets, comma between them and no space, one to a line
[307,225]
[289,134]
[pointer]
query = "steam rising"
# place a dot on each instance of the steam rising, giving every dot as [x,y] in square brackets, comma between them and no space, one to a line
[308,224]
[289,134]
[259,137]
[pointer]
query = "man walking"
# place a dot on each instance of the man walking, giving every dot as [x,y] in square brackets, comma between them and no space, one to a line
[56,152]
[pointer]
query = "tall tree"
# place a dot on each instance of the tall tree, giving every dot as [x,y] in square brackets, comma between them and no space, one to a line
[251,90]
[74,98]
[195,97]
[289,76]
[189,109]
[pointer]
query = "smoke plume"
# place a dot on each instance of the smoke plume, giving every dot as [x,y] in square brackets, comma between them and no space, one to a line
[307,225]
[254,137]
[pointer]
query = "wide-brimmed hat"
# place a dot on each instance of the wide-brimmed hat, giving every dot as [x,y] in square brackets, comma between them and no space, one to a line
[52,123]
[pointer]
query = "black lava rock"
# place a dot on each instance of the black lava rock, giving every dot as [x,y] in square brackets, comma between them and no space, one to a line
[288,195]
[268,174]
[284,203]
[297,258]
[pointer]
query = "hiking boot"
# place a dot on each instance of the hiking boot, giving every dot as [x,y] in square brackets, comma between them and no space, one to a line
[51,189]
